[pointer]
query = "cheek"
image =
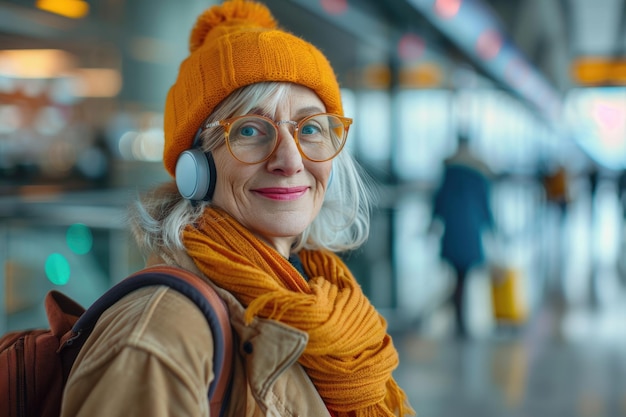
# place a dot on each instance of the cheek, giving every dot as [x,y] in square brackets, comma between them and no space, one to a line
[323,174]
[232,176]
[224,174]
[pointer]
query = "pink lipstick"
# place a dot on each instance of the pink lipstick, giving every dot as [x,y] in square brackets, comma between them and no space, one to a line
[282,193]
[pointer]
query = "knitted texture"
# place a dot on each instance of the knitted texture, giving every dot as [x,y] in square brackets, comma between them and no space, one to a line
[233,45]
[349,357]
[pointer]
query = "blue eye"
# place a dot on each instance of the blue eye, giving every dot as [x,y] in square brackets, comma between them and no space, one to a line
[310,129]
[248,131]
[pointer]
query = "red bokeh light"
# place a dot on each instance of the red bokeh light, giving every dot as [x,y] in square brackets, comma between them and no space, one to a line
[447,8]
[335,7]
[411,47]
[488,44]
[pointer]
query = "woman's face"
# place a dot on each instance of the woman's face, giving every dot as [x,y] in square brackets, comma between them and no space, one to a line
[278,198]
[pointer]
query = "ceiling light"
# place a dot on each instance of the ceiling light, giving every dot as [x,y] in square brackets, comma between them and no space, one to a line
[74,9]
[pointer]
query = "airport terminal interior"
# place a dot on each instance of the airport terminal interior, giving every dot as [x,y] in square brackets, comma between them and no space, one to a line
[537,87]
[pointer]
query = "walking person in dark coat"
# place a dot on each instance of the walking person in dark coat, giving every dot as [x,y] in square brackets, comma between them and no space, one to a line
[462,204]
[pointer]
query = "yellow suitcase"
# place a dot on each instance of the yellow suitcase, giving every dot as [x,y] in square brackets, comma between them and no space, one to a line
[508,296]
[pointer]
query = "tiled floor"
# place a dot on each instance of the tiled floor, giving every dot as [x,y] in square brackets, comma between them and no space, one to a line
[566,364]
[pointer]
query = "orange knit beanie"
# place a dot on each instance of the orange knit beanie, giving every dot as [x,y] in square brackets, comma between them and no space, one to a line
[233,45]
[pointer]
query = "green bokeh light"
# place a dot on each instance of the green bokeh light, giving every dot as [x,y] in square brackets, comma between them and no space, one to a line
[79,238]
[57,269]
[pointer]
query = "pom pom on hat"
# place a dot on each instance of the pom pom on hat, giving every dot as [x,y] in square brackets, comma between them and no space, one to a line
[233,45]
[233,13]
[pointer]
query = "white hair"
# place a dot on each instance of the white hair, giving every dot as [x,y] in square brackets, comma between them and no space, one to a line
[159,217]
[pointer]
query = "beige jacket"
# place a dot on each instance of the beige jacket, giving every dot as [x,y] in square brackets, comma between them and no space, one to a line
[151,355]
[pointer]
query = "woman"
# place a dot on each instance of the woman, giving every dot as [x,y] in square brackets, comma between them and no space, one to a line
[263,195]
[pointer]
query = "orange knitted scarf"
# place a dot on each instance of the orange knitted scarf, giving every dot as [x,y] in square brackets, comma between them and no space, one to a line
[349,357]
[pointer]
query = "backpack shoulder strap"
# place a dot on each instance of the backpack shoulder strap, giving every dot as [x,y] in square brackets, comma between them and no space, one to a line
[202,294]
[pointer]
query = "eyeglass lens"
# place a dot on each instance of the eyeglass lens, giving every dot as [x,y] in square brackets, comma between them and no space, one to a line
[252,138]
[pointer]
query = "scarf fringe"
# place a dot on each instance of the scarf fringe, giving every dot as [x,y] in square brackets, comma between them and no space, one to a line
[396,399]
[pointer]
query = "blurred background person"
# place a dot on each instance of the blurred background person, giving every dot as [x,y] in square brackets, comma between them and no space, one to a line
[462,205]
[557,191]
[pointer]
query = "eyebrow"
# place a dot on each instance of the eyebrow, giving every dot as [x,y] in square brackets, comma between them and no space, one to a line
[301,113]
[307,111]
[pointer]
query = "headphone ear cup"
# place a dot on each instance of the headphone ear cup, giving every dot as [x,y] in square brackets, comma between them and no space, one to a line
[195,174]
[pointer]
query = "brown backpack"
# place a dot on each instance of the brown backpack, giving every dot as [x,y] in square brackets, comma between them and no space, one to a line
[35,364]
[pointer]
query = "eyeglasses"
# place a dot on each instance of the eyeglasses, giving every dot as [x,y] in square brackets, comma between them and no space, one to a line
[252,139]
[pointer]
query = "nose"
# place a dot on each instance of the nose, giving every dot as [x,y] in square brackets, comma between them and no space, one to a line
[286,159]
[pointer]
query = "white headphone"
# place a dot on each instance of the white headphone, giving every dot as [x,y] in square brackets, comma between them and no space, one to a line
[195,173]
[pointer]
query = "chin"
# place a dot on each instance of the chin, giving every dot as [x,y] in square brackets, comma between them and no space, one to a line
[283,230]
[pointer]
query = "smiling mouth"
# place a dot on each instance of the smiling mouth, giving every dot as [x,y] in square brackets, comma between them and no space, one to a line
[281,193]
